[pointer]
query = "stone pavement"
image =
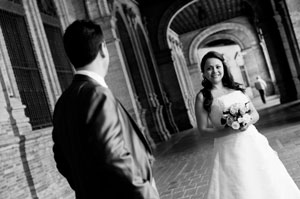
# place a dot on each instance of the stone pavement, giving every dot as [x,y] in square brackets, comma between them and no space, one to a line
[183,167]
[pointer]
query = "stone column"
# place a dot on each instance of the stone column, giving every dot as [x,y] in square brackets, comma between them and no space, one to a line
[63,13]
[141,49]
[289,41]
[182,78]
[156,110]
[196,76]
[269,65]
[291,63]
[5,92]
[117,77]
[189,85]
[168,115]
[173,90]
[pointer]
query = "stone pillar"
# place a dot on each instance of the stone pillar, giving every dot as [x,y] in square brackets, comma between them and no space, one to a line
[189,86]
[196,76]
[118,75]
[289,42]
[143,125]
[183,77]
[291,63]
[294,13]
[143,56]
[63,13]
[43,55]
[269,65]
[156,109]
[185,87]
[293,43]
[172,88]
[168,115]
[5,93]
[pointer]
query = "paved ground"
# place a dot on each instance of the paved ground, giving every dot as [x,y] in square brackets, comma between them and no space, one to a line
[182,166]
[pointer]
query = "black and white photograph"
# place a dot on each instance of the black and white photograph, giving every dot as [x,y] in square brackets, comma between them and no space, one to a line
[150,99]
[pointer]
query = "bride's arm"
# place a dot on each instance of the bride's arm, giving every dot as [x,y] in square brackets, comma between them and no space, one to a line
[254,115]
[203,121]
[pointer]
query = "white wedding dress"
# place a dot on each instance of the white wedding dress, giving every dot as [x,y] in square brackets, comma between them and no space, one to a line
[244,165]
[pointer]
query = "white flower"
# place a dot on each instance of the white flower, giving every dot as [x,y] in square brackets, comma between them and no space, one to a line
[234,109]
[235,125]
[247,118]
[240,105]
[229,120]
[241,119]
[243,110]
[247,106]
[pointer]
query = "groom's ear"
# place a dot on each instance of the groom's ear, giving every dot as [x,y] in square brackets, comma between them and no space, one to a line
[101,49]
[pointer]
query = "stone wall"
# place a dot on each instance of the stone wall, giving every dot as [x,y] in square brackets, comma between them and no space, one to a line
[294,10]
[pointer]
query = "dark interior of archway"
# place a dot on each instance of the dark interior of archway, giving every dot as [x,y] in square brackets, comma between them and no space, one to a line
[220,42]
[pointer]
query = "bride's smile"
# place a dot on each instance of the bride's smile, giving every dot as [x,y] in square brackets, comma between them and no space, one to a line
[213,70]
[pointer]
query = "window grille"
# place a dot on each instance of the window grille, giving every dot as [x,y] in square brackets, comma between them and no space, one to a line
[25,69]
[62,65]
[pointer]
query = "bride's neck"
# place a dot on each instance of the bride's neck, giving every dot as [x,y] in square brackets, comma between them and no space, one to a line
[219,86]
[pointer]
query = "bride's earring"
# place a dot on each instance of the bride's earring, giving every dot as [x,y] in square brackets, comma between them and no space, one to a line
[204,80]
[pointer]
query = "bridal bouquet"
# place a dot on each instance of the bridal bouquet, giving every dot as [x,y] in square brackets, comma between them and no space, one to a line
[236,116]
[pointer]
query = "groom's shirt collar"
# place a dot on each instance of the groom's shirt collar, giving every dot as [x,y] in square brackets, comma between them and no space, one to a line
[94,76]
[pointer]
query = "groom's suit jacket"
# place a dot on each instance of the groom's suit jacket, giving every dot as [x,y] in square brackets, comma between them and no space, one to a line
[98,147]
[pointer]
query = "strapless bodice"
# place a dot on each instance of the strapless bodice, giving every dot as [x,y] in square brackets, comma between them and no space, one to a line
[222,103]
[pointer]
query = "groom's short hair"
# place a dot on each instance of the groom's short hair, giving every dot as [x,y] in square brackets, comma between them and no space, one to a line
[82,41]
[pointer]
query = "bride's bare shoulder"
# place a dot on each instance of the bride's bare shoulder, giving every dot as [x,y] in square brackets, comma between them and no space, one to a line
[199,96]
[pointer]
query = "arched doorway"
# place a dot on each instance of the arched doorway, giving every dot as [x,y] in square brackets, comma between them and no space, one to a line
[237,32]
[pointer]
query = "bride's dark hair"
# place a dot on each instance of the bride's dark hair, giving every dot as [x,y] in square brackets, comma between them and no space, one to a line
[227,80]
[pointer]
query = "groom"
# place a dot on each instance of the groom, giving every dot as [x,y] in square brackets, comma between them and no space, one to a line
[98,147]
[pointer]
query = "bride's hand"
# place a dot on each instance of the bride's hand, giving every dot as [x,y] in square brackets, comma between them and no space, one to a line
[244,128]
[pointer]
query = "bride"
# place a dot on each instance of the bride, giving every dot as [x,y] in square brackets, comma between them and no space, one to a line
[244,165]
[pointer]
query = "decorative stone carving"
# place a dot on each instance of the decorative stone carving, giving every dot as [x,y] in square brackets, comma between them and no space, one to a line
[47,7]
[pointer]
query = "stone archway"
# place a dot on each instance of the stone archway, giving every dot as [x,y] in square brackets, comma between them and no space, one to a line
[226,36]
[248,38]
[167,18]
[243,35]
